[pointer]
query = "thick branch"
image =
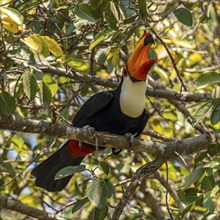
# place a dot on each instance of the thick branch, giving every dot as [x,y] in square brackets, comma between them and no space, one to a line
[186,146]
[11,204]
[159,93]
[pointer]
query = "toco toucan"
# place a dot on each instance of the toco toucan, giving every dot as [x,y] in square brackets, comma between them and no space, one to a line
[119,111]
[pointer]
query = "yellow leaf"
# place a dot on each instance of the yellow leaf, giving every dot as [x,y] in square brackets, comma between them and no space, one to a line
[54,47]
[10,25]
[33,11]
[27,199]
[103,74]
[170,115]
[34,42]
[13,14]
[194,58]
[115,57]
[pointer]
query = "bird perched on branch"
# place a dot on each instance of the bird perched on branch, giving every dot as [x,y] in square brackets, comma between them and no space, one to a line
[120,111]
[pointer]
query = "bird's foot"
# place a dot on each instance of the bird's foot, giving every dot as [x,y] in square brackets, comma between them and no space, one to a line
[92,131]
[130,138]
[89,129]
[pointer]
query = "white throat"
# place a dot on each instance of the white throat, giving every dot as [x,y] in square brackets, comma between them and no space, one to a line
[132,97]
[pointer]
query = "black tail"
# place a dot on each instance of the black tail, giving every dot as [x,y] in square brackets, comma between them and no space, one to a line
[46,171]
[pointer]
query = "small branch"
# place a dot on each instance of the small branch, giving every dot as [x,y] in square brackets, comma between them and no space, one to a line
[17,206]
[78,76]
[207,69]
[151,200]
[172,59]
[199,127]
[142,173]
[183,96]
[159,93]
[168,185]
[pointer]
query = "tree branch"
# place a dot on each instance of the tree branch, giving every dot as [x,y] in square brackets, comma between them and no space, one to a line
[186,146]
[159,93]
[168,184]
[9,203]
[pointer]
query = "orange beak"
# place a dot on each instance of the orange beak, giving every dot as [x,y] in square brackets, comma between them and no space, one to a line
[138,64]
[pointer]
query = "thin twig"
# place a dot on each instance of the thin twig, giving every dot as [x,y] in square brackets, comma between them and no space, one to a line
[167,202]
[172,59]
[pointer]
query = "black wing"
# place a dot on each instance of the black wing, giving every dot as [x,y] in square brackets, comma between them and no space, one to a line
[143,122]
[93,105]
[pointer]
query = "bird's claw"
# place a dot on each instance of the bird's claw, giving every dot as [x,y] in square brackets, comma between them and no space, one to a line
[92,131]
[130,138]
[89,129]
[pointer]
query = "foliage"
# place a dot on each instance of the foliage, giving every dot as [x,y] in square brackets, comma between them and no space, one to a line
[96,37]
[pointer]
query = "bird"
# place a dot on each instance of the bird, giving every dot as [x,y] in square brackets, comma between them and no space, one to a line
[120,111]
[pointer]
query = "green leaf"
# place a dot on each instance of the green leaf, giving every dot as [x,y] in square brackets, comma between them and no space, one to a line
[7,103]
[110,188]
[30,84]
[46,95]
[208,183]
[97,192]
[97,8]
[83,11]
[101,55]
[188,208]
[193,177]
[69,171]
[152,54]
[215,190]
[111,15]
[142,7]
[188,196]
[100,214]
[104,167]
[208,203]
[202,112]
[54,47]
[214,163]
[215,116]
[100,37]
[79,204]
[130,19]
[18,142]
[184,16]
[52,84]
[79,64]
[207,79]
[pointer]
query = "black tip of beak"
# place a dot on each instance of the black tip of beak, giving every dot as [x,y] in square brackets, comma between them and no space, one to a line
[149,39]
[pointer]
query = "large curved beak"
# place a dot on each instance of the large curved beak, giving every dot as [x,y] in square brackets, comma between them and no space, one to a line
[138,64]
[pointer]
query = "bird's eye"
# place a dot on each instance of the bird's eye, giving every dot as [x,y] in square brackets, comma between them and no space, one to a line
[149,39]
[125,73]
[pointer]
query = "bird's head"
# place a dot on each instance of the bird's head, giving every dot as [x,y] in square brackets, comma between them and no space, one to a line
[138,64]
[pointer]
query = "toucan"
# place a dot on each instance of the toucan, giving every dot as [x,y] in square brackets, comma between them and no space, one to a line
[120,111]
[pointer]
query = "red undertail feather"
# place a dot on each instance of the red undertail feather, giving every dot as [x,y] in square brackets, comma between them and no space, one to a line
[77,150]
